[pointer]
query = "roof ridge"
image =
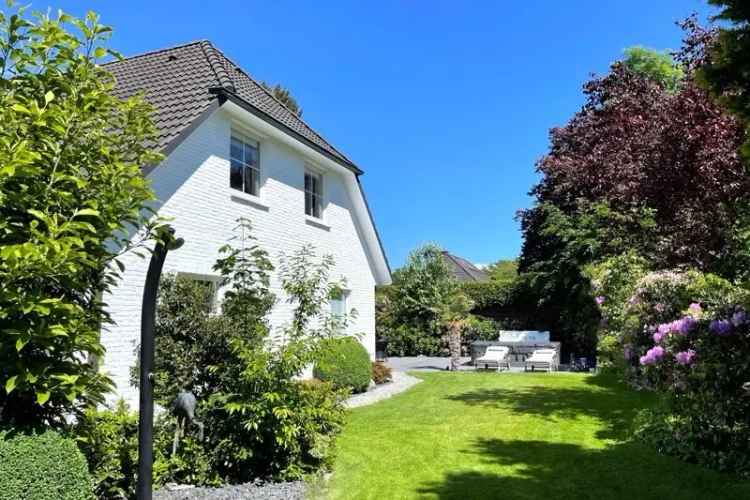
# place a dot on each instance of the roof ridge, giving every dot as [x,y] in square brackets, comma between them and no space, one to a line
[214,55]
[158,51]
[267,92]
[467,268]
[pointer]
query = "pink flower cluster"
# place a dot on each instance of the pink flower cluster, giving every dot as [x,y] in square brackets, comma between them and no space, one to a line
[724,327]
[600,300]
[685,357]
[682,326]
[653,355]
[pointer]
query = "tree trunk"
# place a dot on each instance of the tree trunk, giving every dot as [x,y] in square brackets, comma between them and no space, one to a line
[454,343]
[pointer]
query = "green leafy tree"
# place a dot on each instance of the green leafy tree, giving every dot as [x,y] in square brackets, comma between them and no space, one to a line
[284,95]
[71,195]
[414,312]
[503,270]
[654,65]
[725,67]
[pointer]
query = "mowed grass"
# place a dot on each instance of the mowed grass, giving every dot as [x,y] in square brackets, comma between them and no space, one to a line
[512,436]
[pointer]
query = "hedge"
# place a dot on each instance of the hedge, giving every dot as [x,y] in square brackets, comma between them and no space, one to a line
[42,466]
[345,363]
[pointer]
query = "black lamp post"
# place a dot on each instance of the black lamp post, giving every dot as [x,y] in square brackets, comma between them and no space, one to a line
[146,406]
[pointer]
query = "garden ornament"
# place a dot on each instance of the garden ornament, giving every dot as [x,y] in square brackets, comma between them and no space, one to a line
[183,408]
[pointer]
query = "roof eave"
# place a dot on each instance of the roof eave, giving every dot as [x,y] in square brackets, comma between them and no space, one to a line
[226,94]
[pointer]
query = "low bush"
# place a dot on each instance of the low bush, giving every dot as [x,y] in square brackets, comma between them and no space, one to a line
[381,373]
[408,340]
[345,363]
[259,420]
[192,463]
[42,466]
[686,335]
[700,362]
[109,441]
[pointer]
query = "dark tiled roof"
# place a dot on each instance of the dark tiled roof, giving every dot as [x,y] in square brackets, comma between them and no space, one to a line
[176,81]
[463,270]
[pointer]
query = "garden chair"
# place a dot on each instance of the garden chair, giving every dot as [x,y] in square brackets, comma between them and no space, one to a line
[494,355]
[542,358]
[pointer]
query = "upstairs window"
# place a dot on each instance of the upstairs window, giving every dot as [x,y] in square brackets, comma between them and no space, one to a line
[313,194]
[244,173]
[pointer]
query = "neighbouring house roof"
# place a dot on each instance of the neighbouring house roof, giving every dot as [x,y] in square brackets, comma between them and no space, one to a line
[463,270]
[183,82]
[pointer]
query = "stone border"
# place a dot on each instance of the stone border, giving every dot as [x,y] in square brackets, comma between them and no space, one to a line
[400,382]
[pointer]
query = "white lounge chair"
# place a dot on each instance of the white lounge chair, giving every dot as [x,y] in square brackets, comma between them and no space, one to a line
[496,355]
[542,358]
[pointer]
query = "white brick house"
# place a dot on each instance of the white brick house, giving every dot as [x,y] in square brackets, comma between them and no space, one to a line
[234,151]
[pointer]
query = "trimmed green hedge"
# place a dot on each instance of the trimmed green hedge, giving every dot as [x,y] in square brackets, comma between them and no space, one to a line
[43,466]
[345,363]
[486,294]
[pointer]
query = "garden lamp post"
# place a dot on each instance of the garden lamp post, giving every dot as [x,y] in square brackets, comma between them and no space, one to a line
[146,407]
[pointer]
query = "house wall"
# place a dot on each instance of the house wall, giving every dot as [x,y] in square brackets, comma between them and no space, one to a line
[192,185]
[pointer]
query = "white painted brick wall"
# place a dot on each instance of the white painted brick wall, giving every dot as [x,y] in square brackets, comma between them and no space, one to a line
[193,188]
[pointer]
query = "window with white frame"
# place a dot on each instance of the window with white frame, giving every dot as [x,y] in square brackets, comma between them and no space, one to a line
[313,194]
[338,303]
[244,169]
[210,285]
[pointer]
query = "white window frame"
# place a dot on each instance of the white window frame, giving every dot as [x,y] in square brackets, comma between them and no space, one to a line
[246,141]
[319,196]
[344,300]
[215,282]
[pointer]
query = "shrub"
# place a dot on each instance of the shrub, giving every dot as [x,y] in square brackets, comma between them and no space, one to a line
[71,191]
[701,363]
[259,421]
[43,466]
[109,441]
[687,335]
[193,463]
[381,373]
[487,295]
[408,340]
[345,363]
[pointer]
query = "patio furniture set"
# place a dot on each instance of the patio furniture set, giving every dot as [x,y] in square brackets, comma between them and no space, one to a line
[531,348]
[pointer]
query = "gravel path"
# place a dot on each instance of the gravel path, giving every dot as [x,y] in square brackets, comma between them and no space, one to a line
[255,491]
[401,382]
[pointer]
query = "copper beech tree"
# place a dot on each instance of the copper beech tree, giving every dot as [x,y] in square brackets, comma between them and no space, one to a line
[639,146]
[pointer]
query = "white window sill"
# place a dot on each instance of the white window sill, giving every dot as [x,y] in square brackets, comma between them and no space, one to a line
[314,221]
[248,199]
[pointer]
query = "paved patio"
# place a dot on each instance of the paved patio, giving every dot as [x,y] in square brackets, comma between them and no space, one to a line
[437,363]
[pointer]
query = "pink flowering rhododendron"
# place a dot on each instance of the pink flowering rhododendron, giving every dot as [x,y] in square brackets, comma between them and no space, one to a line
[685,357]
[721,327]
[600,300]
[653,355]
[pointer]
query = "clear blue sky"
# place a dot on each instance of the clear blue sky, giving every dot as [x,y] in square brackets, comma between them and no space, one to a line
[445,105]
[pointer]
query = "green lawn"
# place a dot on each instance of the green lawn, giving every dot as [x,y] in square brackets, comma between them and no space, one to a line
[511,436]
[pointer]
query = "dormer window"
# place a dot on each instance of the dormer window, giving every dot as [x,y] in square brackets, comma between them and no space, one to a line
[313,194]
[244,170]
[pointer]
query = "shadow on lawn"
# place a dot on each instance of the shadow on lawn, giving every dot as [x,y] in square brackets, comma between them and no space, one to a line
[609,402]
[537,469]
